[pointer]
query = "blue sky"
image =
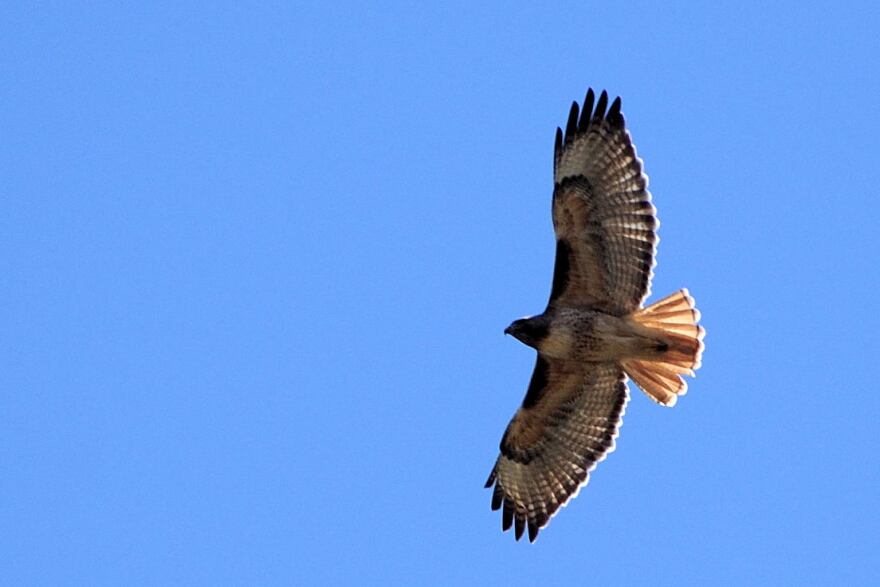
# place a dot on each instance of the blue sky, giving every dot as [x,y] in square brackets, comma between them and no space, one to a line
[257,261]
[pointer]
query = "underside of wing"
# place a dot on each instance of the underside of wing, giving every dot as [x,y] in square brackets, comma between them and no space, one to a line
[567,423]
[604,221]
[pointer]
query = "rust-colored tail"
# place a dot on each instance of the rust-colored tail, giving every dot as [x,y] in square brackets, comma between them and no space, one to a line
[675,317]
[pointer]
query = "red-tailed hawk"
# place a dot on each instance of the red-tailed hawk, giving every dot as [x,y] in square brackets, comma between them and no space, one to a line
[594,332]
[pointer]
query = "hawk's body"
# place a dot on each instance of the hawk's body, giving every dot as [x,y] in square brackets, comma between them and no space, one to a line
[594,331]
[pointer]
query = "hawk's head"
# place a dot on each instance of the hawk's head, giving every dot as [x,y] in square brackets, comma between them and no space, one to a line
[529,331]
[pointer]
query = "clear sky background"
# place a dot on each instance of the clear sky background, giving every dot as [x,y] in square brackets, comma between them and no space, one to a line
[257,260]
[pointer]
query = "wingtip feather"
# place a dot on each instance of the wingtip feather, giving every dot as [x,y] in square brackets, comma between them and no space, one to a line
[490,480]
[601,105]
[533,530]
[519,527]
[614,116]
[586,111]
[557,146]
[572,126]
[507,516]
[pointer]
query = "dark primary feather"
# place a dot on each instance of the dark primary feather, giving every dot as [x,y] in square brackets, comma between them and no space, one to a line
[587,112]
[614,117]
[520,525]
[571,127]
[557,148]
[507,516]
[497,494]
[533,530]
[599,114]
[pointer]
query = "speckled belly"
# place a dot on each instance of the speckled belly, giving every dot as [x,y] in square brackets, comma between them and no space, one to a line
[589,336]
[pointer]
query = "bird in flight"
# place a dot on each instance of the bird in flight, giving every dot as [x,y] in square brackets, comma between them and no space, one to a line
[594,333]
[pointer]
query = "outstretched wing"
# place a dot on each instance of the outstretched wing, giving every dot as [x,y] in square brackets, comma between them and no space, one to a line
[567,423]
[602,213]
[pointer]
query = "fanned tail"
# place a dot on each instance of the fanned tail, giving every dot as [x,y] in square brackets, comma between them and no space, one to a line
[676,318]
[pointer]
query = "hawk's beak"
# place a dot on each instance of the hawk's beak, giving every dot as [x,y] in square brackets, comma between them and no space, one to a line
[508,330]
